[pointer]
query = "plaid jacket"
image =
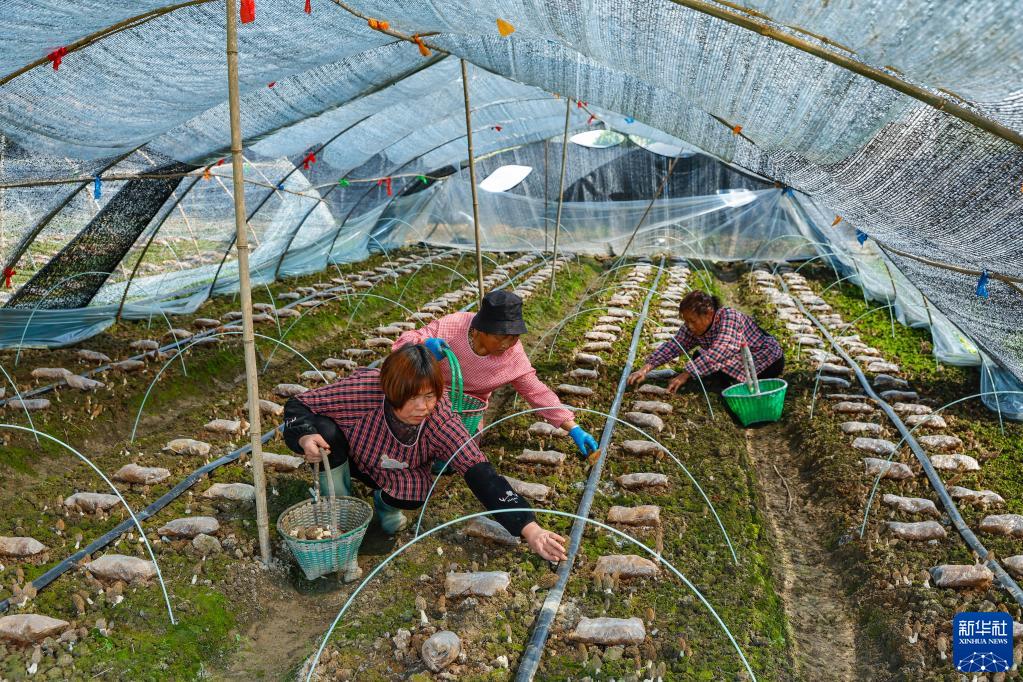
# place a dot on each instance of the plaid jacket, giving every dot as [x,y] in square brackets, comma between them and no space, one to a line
[356,404]
[721,346]
[481,375]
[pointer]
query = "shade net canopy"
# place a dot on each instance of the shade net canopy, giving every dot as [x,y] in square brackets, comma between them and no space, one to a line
[901,118]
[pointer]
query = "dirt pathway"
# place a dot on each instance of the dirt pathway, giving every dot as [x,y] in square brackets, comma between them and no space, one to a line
[821,619]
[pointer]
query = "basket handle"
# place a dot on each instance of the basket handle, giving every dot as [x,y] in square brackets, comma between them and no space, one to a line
[457,386]
[752,382]
[330,487]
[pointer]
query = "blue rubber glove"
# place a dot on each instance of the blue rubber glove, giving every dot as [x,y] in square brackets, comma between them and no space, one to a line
[585,442]
[436,346]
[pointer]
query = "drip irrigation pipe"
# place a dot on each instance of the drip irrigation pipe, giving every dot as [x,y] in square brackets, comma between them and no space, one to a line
[972,541]
[530,660]
[102,541]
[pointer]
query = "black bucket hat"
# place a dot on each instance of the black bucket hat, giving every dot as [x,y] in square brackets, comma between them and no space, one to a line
[500,313]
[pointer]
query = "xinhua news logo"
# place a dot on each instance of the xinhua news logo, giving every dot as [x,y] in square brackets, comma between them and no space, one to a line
[982,642]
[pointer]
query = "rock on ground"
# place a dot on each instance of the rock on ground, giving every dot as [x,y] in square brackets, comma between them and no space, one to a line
[133,473]
[440,650]
[609,631]
[282,463]
[954,462]
[652,389]
[1014,565]
[911,505]
[206,544]
[30,628]
[187,446]
[583,373]
[875,446]
[289,390]
[532,491]
[644,420]
[626,566]
[545,430]
[20,547]
[911,408]
[896,471]
[917,530]
[641,447]
[30,404]
[233,492]
[1003,524]
[488,529]
[478,584]
[230,427]
[941,442]
[847,407]
[640,481]
[980,497]
[324,376]
[860,427]
[548,457]
[121,567]
[926,421]
[271,408]
[588,360]
[569,389]
[652,407]
[958,576]
[90,502]
[189,527]
[642,515]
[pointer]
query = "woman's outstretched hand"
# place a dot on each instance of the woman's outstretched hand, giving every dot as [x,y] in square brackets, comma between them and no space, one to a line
[677,382]
[639,375]
[312,444]
[545,543]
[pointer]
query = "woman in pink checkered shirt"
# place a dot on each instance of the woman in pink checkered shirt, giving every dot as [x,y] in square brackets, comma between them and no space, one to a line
[720,333]
[487,347]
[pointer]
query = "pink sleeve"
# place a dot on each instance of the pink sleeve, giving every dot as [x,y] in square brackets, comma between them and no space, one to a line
[417,335]
[537,394]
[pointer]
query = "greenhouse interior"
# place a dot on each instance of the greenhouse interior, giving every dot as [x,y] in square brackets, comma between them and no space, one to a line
[358,340]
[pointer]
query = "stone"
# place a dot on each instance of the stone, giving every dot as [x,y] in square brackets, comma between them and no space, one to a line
[888,381]
[378,342]
[547,457]
[832,368]
[50,373]
[642,515]
[926,421]
[206,545]
[620,313]
[1014,565]
[652,407]
[95,356]
[641,447]
[178,334]
[957,576]
[90,502]
[848,407]
[358,352]
[187,446]
[867,359]
[144,345]
[941,443]
[289,390]
[984,498]
[610,328]
[30,628]
[545,430]
[1003,524]
[662,374]
[644,420]
[121,567]
[269,407]
[895,471]
[440,650]
[599,336]
[954,462]
[860,427]
[808,340]
[597,346]
[232,492]
[911,505]
[652,389]
[189,527]
[899,396]
[917,530]
[642,480]
[838,382]
[609,631]
[133,473]
[880,366]
[281,463]
[570,389]
[323,376]
[205,323]
[875,446]
[30,404]
[20,547]
[625,566]
[388,330]
[340,363]
[478,584]
[488,529]
[532,491]
[588,360]
[127,366]
[583,373]
[230,427]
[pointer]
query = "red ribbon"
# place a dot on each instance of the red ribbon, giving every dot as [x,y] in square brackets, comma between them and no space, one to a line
[309,159]
[497,128]
[56,56]
[271,84]
[591,119]
[386,182]
[579,104]
[248,11]
[8,274]
[308,7]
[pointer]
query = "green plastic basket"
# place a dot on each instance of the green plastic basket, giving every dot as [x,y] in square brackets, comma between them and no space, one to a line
[470,409]
[765,406]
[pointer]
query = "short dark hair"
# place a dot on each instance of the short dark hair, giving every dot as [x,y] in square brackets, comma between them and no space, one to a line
[407,371]
[699,303]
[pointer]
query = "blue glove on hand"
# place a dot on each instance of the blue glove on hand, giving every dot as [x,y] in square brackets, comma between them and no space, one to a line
[436,346]
[585,442]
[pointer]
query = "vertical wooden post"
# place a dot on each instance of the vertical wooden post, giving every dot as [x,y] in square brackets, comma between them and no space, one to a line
[472,182]
[242,244]
[546,145]
[561,192]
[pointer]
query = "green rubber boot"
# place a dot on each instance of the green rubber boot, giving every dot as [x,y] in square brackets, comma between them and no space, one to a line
[391,518]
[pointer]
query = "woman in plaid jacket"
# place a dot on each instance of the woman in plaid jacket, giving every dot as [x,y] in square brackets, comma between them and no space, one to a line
[720,333]
[386,427]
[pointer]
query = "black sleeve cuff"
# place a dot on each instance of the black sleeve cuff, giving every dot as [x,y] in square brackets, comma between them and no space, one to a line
[297,423]
[494,492]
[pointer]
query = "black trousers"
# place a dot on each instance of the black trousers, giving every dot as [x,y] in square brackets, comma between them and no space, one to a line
[339,451]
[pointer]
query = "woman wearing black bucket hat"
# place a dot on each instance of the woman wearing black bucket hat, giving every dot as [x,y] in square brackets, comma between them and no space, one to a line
[487,347]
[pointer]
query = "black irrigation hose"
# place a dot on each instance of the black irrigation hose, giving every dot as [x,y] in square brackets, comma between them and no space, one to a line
[99,543]
[1004,579]
[530,660]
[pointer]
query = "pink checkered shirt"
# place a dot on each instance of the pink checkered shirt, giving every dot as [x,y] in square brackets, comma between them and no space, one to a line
[356,404]
[721,346]
[481,376]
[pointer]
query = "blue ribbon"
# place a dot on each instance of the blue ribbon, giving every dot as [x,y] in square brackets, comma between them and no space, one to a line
[982,285]
[97,187]
[861,237]
[629,119]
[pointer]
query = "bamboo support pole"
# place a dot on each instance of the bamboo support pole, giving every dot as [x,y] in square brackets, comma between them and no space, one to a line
[472,181]
[561,192]
[242,244]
